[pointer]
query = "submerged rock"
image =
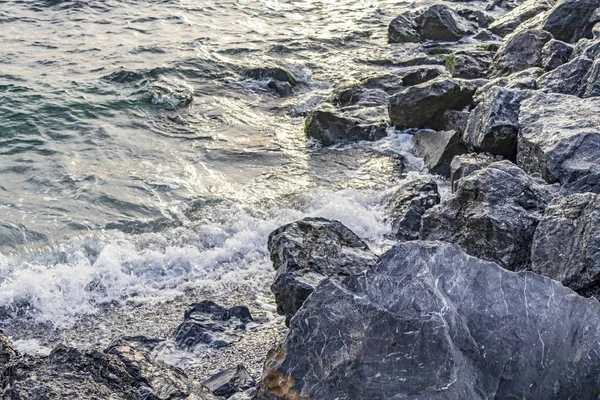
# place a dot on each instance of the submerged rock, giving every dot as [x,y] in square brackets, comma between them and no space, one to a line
[230,381]
[331,126]
[492,215]
[465,164]
[430,322]
[571,20]
[438,148]
[306,252]
[520,51]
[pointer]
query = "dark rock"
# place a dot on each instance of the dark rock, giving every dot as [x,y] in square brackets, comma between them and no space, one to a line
[465,164]
[421,75]
[440,22]
[469,64]
[591,84]
[566,245]
[493,125]
[567,78]
[306,252]
[555,53]
[211,324]
[522,80]
[272,73]
[404,28]
[486,36]
[571,20]
[507,23]
[331,126]
[230,381]
[429,322]
[283,89]
[520,51]
[492,215]
[417,106]
[479,18]
[373,91]
[451,120]
[438,148]
[559,138]
[406,206]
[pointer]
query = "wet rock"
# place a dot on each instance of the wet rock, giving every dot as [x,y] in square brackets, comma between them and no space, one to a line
[7,352]
[493,125]
[469,64]
[438,148]
[559,138]
[211,324]
[404,28]
[440,22]
[566,245]
[306,252]
[451,120]
[274,73]
[555,53]
[567,78]
[479,18]
[373,91]
[417,106]
[430,322]
[492,215]
[465,164]
[486,36]
[331,126]
[507,23]
[571,20]
[522,80]
[230,381]
[422,74]
[283,89]
[406,206]
[520,51]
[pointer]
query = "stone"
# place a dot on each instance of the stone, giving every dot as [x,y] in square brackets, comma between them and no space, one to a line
[438,148]
[451,120]
[559,138]
[566,245]
[520,51]
[331,126]
[477,17]
[403,29]
[373,91]
[465,164]
[441,23]
[212,325]
[507,23]
[493,125]
[469,64]
[571,20]
[522,80]
[591,84]
[7,352]
[492,215]
[407,204]
[567,78]
[272,73]
[429,322]
[307,251]
[229,382]
[417,106]
[555,53]
[422,74]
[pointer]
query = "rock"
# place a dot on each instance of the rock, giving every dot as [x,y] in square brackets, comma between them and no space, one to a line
[272,73]
[230,381]
[591,84]
[451,120]
[283,89]
[406,206]
[331,126]
[465,164]
[559,138]
[522,80]
[571,20]
[422,74]
[567,79]
[430,322]
[7,352]
[566,245]
[373,91]
[477,17]
[520,51]
[492,215]
[507,23]
[486,36]
[417,106]
[404,27]
[211,324]
[440,22]
[469,64]
[438,148]
[493,125]
[306,252]
[555,53]
[587,48]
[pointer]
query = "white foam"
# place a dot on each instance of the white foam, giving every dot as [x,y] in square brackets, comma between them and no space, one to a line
[31,346]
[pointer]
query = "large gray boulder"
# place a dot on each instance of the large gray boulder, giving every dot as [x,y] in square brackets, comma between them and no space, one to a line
[559,138]
[571,20]
[429,322]
[465,164]
[566,245]
[520,51]
[331,126]
[306,252]
[469,64]
[522,80]
[441,23]
[555,53]
[492,215]
[404,28]
[508,22]
[568,78]
[438,148]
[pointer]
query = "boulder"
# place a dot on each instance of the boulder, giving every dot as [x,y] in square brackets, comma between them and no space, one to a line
[212,325]
[373,91]
[568,78]
[508,22]
[229,382]
[587,48]
[331,126]
[272,73]
[441,23]
[438,148]
[520,51]
[404,28]
[555,53]
[406,206]
[566,245]
[451,120]
[493,125]
[591,84]
[571,20]
[492,215]
[469,64]
[306,252]
[429,322]
[422,74]
[559,138]
[465,164]
[521,80]
[7,352]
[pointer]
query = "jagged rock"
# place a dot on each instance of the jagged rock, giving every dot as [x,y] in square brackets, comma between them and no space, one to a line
[406,206]
[587,48]
[373,91]
[422,74]
[567,79]
[331,126]
[230,381]
[566,245]
[429,322]
[442,23]
[493,125]
[306,252]
[7,352]
[492,215]
[487,36]
[451,120]
[276,73]
[469,64]
[465,164]
[211,324]
[417,106]
[522,80]
[559,138]
[591,84]
[477,17]
[438,148]
[555,53]
[571,20]
[507,23]
[404,28]
[520,51]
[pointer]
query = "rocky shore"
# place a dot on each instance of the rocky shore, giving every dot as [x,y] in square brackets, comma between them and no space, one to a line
[490,293]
